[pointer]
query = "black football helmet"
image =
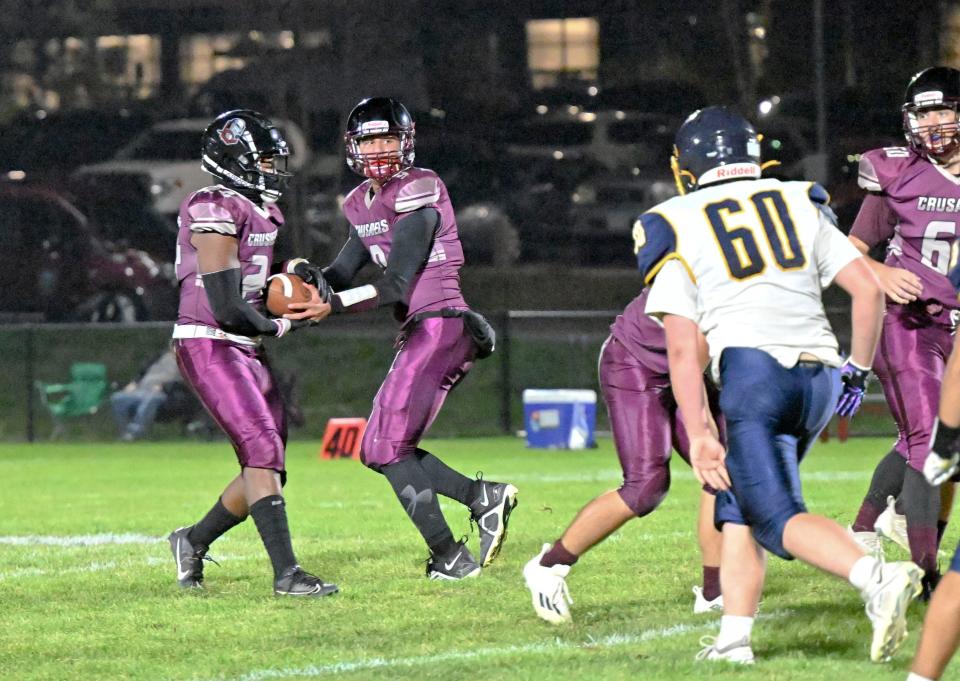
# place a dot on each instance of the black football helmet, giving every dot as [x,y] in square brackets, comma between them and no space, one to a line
[937,87]
[379,117]
[234,146]
[714,145]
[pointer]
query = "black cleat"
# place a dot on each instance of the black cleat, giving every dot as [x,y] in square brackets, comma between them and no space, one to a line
[296,582]
[491,512]
[928,583]
[457,563]
[189,559]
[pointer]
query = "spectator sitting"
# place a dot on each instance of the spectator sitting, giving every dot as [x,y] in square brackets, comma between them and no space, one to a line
[135,407]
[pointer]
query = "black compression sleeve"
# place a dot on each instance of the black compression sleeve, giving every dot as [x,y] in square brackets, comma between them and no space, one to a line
[232,312]
[412,239]
[348,262]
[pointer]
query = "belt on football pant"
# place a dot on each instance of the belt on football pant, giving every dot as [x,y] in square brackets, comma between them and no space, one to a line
[201,331]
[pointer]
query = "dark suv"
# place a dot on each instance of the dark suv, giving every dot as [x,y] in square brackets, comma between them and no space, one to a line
[55,266]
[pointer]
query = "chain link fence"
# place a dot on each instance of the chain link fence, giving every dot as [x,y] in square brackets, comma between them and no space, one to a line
[333,370]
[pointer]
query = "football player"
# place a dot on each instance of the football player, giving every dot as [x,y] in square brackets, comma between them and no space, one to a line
[401,219]
[913,201]
[743,260]
[224,256]
[941,626]
[646,426]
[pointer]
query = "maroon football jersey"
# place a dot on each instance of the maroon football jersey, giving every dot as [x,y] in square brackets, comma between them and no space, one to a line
[374,217]
[643,337]
[920,215]
[223,211]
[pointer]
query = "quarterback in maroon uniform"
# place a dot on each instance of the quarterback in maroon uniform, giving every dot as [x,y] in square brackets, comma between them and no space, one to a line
[402,220]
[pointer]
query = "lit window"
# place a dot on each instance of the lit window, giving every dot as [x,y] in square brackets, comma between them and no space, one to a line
[562,49]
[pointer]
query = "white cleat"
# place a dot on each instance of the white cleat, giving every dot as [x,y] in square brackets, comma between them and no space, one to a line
[891,589]
[548,588]
[868,541]
[702,605]
[893,526]
[738,652]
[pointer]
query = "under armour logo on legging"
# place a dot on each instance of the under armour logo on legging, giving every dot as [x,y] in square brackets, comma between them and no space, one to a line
[412,497]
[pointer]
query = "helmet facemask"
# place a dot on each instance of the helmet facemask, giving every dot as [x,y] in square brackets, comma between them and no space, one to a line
[380,166]
[932,140]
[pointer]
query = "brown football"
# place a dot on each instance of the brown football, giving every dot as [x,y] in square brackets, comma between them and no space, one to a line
[284,289]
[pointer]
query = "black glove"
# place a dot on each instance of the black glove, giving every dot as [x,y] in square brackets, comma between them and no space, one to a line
[313,274]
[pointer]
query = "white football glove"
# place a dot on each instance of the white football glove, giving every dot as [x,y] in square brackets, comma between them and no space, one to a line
[937,470]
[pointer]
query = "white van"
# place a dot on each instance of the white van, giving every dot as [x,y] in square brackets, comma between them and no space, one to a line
[163,164]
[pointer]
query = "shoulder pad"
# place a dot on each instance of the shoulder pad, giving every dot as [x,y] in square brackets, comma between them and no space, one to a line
[412,189]
[654,242]
[878,167]
[210,210]
[820,198]
[356,192]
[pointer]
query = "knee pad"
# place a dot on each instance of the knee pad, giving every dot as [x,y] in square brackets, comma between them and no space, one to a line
[263,450]
[642,498]
[375,453]
[769,534]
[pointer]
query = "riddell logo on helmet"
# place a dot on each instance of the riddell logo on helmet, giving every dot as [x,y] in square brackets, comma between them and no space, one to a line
[233,130]
[724,172]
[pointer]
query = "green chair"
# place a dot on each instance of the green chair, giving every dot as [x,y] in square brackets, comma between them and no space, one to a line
[82,396]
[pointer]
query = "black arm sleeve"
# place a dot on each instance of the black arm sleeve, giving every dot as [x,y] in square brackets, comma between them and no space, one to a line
[412,240]
[232,312]
[348,262]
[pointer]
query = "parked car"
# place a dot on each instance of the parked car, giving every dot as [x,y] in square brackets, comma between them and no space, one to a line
[614,139]
[46,147]
[160,167]
[604,210]
[56,265]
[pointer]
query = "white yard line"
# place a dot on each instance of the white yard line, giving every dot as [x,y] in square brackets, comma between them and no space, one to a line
[540,648]
[79,540]
[604,476]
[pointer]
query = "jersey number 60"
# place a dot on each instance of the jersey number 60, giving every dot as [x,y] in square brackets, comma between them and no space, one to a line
[738,243]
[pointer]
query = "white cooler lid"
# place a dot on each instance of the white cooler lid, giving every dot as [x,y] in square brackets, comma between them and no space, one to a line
[564,396]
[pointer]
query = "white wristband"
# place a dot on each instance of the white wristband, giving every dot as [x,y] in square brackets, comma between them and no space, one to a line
[283,325]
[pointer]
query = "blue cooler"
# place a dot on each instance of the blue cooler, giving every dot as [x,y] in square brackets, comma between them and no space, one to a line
[560,419]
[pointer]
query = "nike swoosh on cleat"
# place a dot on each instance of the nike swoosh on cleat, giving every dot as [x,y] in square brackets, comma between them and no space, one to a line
[484,501]
[181,574]
[449,566]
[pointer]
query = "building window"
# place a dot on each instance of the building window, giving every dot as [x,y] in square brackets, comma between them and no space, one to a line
[562,49]
[130,62]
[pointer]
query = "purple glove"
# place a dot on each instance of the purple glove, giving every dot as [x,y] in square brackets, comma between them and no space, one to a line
[854,388]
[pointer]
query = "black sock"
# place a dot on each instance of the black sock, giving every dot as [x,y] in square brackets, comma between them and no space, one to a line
[887,481]
[887,478]
[941,529]
[412,487]
[212,526]
[446,481]
[921,505]
[270,515]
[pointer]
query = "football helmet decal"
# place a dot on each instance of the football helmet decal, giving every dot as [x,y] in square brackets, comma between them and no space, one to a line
[935,88]
[714,145]
[247,153]
[379,117]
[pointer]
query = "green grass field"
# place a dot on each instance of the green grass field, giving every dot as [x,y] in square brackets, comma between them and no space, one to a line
[87,588]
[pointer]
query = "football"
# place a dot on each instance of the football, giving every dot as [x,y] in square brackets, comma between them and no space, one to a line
[283,289]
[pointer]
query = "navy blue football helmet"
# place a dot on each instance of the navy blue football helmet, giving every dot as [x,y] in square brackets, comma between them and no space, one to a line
[714,145]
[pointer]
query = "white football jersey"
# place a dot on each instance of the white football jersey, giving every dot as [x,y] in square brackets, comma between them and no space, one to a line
[747,261]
